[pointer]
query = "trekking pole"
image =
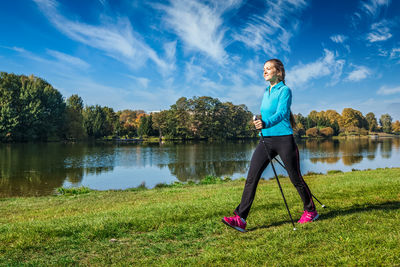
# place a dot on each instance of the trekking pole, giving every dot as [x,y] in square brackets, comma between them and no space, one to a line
[276,176]
[283,166]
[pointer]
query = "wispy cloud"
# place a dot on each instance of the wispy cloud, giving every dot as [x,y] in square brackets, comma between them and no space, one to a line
[198,25]
[193,72]
[374,7]
[327,65]
[384,90]
[338,38]
[380,31]
[395,53]
[67,59]
[360,73]
[117,39]
[272,31]
[371,9]
[144,82]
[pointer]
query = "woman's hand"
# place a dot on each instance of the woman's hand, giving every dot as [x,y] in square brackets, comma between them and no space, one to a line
[258,124]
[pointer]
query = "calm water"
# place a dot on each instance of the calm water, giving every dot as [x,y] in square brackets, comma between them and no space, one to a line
[37,169]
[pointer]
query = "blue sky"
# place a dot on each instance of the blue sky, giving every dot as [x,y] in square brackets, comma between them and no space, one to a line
[146,54]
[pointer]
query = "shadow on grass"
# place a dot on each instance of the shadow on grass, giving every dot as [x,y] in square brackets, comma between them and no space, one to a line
[391,205]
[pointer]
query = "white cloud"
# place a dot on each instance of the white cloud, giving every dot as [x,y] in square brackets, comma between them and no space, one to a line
[338,38]
[373,7]
[272,31]
[301,74]
[395,53]
[193,73]
[198,25]
[144,82]
[384,90]
[116,39]
[358,74]
[67,59]
[380,32]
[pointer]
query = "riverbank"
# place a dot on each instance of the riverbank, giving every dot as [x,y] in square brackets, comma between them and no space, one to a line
[181,225]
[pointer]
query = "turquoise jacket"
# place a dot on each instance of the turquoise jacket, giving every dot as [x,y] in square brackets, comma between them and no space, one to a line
[275,110]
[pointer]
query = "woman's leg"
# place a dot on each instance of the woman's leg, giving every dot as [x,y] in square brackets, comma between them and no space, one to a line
[258,163]
[289,153]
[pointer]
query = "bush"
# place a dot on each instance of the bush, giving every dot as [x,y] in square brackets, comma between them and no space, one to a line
[334,171]
[210,179]
[327,131]
[73,190]
[312,132]
[363,131]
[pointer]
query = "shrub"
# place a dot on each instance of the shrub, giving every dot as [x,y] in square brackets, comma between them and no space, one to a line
[327,131]
[312,132]
[73,190]
[334,171]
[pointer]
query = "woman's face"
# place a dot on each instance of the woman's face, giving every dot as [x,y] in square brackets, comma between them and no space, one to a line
[270,72]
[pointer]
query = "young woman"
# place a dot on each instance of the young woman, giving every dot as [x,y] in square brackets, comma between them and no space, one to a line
[276,126]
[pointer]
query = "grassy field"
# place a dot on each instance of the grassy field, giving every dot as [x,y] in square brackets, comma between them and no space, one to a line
[181,225]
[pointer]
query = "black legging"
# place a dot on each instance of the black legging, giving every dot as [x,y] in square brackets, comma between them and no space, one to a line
[286,148]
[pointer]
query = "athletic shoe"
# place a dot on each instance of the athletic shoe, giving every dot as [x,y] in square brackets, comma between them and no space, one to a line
[235,222]
[308,216]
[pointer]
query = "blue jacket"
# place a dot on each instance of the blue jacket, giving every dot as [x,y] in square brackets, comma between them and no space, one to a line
[275,111]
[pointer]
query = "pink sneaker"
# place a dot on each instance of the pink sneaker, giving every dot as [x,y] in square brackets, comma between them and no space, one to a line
[235,222]
[308,216]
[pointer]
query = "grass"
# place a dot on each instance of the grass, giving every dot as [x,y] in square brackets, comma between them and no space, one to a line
[181,225]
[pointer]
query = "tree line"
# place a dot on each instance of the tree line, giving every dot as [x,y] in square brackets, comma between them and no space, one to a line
[33,110]
[350,122]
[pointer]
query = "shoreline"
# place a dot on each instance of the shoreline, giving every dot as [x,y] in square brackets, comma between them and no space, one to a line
[208,180]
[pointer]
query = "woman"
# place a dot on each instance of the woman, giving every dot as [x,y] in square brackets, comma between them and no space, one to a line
[276,126]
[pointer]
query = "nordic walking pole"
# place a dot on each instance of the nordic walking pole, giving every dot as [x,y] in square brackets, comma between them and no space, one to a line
[276,176]
[283,166]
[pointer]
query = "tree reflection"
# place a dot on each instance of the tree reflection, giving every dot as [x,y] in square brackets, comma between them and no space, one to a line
[201,159]
[37,169]
[386,149]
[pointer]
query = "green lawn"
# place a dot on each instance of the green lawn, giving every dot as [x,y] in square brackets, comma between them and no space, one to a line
[182,225]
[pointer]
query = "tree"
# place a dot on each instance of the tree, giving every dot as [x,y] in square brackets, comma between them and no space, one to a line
[31,109]
[396,126]
[182,116]
[312,119]
[144,128]
[160,122]
[10,85]
[94,121]
[352,118]
[371,121]
[299,130]
[74,118]
[386,123]
[111,121]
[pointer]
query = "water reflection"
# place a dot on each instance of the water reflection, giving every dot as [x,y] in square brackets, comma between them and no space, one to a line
[350,151]
[37,169]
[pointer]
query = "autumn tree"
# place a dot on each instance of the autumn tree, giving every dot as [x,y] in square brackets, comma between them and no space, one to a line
[396,126]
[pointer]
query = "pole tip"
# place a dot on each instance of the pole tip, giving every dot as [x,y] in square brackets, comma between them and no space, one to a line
[323,206]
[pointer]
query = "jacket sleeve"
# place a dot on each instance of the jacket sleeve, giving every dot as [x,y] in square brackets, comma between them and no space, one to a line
[282,110]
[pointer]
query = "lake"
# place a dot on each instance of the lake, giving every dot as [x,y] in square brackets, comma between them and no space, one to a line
[35,169]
